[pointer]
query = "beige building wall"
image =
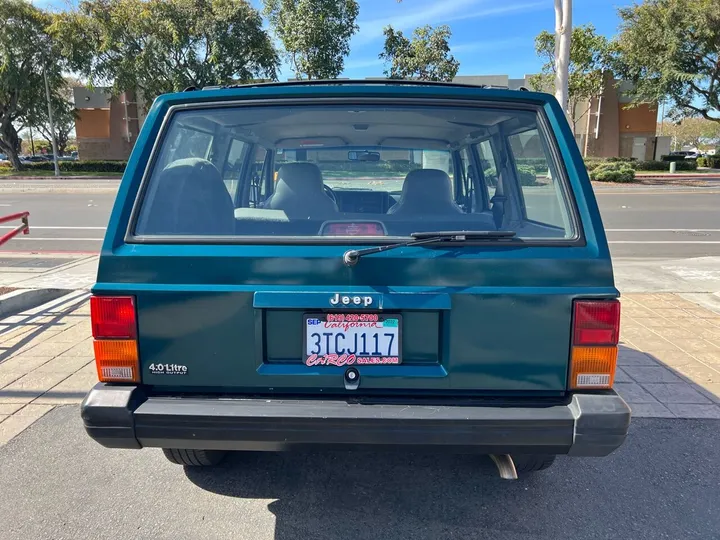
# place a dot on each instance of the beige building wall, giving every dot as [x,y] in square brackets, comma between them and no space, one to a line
[603,127]
[106,127]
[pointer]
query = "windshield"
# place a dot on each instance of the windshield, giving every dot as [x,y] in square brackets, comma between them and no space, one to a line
[328,171]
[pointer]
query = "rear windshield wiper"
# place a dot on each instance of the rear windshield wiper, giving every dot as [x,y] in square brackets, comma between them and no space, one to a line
[351,257]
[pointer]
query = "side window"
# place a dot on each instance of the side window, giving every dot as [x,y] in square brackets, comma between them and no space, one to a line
[233,165]
[489,168]
[544,200]
[187,143]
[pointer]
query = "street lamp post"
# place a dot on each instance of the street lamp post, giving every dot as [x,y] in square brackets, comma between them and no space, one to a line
[52,124]
[563,33]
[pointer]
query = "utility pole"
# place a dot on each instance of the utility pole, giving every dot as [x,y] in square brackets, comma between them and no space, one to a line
[32,142]
[52,124]
[563,34]
[662,118]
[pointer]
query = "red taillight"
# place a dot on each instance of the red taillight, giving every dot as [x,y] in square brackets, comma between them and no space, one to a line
[596,322]
[596,333]
[113,317]
[114,327]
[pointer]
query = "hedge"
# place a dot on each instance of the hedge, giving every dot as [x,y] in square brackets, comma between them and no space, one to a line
[79,166]
[687,165]
[709,161]
[613,172]
[528,175]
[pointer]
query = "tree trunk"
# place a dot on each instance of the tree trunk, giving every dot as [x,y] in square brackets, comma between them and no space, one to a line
[10,144]
[563,33]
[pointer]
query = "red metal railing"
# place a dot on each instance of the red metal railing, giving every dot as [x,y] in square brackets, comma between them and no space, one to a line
[24,226]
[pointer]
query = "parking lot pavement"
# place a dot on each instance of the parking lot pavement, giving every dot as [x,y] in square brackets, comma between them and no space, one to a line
[57,483]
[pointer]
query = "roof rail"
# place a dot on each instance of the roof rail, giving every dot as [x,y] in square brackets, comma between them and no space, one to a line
[373,82]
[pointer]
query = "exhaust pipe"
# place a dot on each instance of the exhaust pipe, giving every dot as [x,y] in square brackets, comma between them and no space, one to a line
[505,466]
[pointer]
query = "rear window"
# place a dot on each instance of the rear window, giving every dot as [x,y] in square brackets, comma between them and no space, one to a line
[357,172]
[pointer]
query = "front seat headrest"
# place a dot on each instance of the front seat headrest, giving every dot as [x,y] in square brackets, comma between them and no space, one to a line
[426,191]
[299,191]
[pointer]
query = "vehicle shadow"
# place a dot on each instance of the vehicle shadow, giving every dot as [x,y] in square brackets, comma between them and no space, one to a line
[347,495]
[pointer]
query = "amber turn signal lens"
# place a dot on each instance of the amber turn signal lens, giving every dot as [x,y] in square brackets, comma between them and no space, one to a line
[593,367]
[117,360]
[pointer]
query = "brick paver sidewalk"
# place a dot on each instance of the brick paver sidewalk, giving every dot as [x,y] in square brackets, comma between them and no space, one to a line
[669,362]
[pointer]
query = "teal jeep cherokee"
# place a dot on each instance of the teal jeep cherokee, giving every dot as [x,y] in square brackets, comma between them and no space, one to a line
[382,264]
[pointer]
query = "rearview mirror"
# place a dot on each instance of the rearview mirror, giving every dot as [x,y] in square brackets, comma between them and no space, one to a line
[354,155]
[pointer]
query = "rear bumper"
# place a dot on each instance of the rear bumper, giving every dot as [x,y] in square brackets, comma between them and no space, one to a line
[123,417]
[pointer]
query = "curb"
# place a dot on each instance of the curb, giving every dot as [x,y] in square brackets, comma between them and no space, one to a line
[59,178]
[700,176]
[21,300]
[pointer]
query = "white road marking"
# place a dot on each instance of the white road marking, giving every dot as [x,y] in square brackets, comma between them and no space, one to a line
[75,228]
[663,242]
[49,238]
[662,230]
[691,274]
[61,227]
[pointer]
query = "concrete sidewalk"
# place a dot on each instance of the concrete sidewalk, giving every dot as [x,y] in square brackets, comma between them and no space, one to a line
[61,270]
[669,361]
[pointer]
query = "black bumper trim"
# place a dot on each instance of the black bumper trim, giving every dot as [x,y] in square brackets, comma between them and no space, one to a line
[123,417]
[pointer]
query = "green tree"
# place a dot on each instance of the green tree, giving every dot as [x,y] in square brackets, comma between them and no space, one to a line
[26,49]
[425,57]
[64,115]
[695,132]
[590,54]
[315,34]
[670,49]
[160,46]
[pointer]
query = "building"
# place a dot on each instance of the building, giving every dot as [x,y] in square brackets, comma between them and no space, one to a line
[603,126]
[106,127]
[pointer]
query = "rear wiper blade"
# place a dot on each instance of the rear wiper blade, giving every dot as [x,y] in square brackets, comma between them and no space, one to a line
[352,256]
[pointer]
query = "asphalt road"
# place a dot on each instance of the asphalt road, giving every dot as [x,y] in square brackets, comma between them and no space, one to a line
[663,483]
[642,222]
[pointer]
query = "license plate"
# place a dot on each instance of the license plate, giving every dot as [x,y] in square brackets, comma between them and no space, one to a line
[346,339]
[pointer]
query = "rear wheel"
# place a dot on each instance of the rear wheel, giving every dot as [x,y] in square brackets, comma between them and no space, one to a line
[531,463]
[194,458]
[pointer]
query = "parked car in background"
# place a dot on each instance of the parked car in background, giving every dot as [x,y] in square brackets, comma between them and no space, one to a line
[38,158]
[687,154]
[4,160]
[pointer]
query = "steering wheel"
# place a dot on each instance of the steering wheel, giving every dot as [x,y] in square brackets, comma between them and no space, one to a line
[330,193]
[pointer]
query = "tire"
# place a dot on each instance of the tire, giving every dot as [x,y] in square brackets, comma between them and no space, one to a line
[525,464]
[194,458]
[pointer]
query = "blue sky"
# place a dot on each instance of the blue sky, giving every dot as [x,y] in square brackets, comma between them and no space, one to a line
[490,37]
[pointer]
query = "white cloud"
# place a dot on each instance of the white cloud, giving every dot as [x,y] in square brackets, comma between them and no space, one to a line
[438,13]
[487,45]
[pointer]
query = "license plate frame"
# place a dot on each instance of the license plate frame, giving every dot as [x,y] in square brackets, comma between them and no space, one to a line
[334,359]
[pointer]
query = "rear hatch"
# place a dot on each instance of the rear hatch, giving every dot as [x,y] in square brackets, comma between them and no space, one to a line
[249,291]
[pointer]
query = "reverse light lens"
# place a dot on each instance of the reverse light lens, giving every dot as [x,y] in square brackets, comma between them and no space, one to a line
[596,322]
[113,317]
[117,360]
[593,367]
